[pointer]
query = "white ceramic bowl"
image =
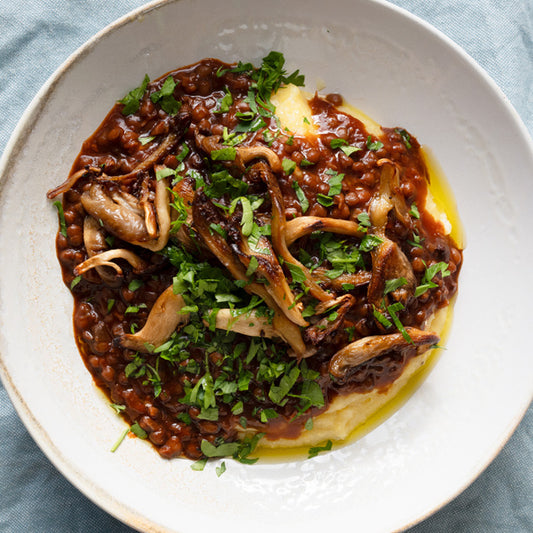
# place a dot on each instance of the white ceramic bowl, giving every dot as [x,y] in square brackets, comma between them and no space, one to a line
[401,72]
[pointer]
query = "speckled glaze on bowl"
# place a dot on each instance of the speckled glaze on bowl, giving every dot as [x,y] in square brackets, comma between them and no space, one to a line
[398,70]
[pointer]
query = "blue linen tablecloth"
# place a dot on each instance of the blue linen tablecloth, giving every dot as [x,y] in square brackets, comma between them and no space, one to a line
[36,37]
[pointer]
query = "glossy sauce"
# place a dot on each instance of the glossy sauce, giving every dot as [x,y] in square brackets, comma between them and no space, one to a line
[116,146]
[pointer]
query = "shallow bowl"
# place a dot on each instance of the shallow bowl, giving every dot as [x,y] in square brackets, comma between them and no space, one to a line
[401,72]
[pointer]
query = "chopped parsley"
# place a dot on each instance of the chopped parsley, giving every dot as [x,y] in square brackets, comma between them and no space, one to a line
[338,143]
[224,154]
[61,214]
[349,150]
[288,166]
[304,202]
[406,138]
[132,100]
[427,281]
[373,145]
[165,97]
[315,450]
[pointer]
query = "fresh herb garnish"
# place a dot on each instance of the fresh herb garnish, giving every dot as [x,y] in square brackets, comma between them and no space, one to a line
[392,284]
[220,469]
[224,154]
[338,143]
[145,139]
[315,450]
[304,202]
[427,281]
[406,138]
[61,214]
[165,97]
[373,145]
[288,166]
[349,150]
[132,100]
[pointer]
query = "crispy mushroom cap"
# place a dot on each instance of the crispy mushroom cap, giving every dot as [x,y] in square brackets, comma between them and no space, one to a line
[367,348]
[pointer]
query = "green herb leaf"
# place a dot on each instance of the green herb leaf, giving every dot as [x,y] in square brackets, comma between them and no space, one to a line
[297,273]
[278,393]
[138,431]
[315,450]
[132,100]
[135,284]
[373,145]
[62,223]
[165,97]
[392,310]
[406,138]
[392,284]
[364,221]
[381,318]
[288,166]
[252,266]
[414,211]
[335,183]
[429,274]
[268,414]
[119,440]
[369,242]
[224,154]
[184,152]
[247,216]
[74,282]
[145,139]
[338,143]
[220,469]
[324,200]
[304,202]
[349,150]
[117,407]
[199,465]
[223,450]
[224,103]
[163,173]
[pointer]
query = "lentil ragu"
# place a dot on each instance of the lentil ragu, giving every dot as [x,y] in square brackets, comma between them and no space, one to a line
[231,277]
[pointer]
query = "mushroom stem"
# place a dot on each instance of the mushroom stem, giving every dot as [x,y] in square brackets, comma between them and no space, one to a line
[105,259]
[165,316]
[71,181]
[300,226]
[248,324]
[278,225]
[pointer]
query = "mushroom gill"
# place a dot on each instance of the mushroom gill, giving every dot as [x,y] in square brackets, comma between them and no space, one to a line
[367,348]
[278,224]
[120,215]
[203,214]
[388,260]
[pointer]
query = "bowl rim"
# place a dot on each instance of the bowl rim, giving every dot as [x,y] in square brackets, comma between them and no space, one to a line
[14,146]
